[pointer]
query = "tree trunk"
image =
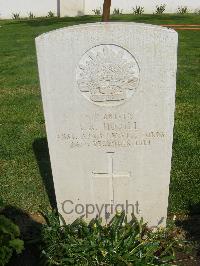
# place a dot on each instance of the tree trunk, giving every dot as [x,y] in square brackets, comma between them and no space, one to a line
[106,10]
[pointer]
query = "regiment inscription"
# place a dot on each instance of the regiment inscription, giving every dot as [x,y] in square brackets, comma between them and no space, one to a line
[111,130]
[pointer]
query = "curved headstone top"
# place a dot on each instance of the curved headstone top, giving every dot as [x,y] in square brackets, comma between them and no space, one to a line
[106,25]
[108,93]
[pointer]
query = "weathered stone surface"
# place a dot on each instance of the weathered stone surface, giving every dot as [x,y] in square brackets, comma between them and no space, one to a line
[109,95]
[71,8]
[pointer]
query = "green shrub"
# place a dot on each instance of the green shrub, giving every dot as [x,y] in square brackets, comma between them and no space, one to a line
[50,14]
[97,11]
[9,240]
[182,10]
[117,11]
[160,9]
[31,15]
[138,10]
[15,16]
[118,243]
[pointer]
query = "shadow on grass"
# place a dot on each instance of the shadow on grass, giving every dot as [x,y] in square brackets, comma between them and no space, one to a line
[30,229]
[40,148]
[30,225]
[191,226]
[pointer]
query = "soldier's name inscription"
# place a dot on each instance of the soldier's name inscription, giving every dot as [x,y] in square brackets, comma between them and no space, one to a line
[112,130]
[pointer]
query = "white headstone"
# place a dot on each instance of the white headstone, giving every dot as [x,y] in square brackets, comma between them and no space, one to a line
[109,96]
[71,8]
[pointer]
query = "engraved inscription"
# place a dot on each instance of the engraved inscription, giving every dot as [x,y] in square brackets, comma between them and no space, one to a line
[110,130]
[107,75]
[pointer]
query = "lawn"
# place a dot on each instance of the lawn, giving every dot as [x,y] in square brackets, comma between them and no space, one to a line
[24,162]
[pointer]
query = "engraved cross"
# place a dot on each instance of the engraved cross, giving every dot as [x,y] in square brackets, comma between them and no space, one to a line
[111,175]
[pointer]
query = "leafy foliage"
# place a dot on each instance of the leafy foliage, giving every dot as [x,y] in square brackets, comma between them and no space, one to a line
[118,243]
[182,10]
[15,16]
[31,15]
[50,14]
[9,240]
[97,11]
[117,11]
[138,10]
[160,9]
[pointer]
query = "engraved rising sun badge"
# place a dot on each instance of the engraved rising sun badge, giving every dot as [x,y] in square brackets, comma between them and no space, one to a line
[107,75]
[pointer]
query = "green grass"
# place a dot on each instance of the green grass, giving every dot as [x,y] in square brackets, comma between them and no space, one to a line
[22,130]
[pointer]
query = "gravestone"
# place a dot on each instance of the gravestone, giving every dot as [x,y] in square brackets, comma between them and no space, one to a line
[108,92]
[71,8]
